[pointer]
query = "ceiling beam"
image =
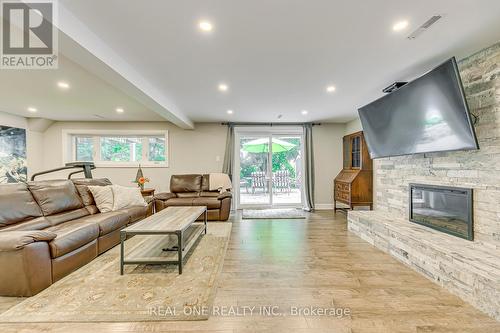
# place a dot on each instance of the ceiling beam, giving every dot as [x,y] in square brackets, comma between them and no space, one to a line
[80,44]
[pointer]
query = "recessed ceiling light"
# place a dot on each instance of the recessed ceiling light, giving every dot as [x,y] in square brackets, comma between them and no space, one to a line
[205,26]
[120,110]
[230,111]
[223,87]
[400,25]
[63,85]
[330,89]
[304,112]
[32,109]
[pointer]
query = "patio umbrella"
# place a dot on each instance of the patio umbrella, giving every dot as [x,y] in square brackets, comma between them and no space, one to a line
[262,146]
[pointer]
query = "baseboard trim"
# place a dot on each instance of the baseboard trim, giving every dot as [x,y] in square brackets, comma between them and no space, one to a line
[323,206]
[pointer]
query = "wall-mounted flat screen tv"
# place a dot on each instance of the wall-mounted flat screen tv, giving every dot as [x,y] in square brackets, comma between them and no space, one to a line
[429,114]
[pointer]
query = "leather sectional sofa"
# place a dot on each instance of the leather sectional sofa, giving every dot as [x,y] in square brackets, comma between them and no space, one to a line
[193,190]
[50,228]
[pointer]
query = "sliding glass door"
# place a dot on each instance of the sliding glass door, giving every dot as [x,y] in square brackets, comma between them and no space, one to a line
[270,168]
[287,170]
[254,171]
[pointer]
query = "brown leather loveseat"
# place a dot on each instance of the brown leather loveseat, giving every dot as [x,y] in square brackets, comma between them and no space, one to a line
[193,190]
[50,228]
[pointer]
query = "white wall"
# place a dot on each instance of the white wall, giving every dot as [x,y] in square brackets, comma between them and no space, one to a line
[327,141]
[353,126]
[191,151]
[34,141]
[197,151]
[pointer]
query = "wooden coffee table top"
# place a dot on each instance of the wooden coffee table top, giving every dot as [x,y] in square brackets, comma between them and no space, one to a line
[170,219]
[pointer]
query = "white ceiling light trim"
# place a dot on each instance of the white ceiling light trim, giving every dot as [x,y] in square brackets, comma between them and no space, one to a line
[400,25]
[223,87]
[63,85]
[205,26]
[331,89]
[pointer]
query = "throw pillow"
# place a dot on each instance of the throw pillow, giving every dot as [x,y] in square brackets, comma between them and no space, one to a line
[125,197]
[103,197]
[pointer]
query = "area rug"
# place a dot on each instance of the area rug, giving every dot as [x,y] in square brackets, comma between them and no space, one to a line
[289,213]
[98,293]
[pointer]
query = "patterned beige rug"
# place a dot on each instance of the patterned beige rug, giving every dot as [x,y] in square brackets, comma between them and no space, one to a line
[97,292]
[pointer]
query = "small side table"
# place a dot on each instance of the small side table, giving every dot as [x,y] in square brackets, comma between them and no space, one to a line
[148,192]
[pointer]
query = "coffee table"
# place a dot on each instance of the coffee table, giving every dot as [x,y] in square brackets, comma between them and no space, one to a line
[171,227]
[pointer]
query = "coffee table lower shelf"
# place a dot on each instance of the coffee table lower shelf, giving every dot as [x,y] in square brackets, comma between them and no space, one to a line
[153,251]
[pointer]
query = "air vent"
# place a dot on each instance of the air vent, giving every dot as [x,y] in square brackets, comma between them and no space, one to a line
[424,26]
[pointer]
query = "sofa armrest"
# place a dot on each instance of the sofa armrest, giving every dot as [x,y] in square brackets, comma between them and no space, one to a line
[224,195]
[16,240]
[164,196]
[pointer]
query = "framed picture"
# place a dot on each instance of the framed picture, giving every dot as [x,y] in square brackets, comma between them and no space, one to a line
[13,166]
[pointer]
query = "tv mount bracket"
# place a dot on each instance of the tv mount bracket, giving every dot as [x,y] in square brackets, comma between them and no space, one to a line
[393,87]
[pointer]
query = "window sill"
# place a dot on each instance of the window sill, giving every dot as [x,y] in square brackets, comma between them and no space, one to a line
[130,166]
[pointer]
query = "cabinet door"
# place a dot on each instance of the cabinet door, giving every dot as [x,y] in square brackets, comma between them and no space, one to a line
[356,152]
[347,152]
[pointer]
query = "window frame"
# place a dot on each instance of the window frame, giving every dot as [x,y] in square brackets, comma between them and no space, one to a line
[69,147]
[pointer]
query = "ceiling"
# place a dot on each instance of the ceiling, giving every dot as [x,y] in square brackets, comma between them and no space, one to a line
[277,57]
[88,99]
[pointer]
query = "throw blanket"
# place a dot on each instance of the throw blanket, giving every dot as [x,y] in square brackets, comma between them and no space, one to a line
[219,181]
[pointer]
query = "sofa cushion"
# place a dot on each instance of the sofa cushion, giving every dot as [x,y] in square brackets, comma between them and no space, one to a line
[108,222]
[185,183]
[211,203]
[17,204]
[127,197]
[164,196]
[188,194]
[55,196]
[67,216]
[15,240]
[72,235]
[103,196]
[213,194]
[135,213]
[82,186]
[38,223]
[205,182]
[179,202]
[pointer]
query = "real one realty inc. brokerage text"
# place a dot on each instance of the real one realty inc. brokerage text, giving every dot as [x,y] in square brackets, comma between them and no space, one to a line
[244,311]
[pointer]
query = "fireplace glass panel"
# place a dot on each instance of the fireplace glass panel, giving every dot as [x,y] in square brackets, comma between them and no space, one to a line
[442,208]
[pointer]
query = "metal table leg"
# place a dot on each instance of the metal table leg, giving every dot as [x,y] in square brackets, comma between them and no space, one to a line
[206,218]
[123,236]
[179,251]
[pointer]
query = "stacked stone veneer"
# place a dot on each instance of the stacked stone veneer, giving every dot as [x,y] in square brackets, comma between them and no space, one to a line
[471,272]
[454,263]
[479,170]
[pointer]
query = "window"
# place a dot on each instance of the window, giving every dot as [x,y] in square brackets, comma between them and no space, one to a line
[84,148]
[120,150]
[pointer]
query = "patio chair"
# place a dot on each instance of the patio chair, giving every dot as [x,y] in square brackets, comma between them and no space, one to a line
[282,181]
[258,181]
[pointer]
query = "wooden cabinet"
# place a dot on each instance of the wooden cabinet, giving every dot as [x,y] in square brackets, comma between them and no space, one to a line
[353,185]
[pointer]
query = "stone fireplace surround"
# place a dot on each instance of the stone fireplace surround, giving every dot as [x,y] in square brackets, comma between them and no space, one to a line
[469,269]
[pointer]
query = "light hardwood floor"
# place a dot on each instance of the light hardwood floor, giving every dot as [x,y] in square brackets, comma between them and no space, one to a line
[312,263]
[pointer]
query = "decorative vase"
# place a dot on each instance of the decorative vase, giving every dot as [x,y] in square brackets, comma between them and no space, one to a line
[141,186]
[139,174]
